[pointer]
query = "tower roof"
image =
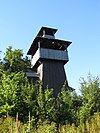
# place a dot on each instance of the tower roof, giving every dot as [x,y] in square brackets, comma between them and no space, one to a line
[47,42]
[48,31]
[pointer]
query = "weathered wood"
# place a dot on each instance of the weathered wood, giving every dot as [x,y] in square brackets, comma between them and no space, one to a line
[52,74]
[53,54]
[32,74]
[49,54]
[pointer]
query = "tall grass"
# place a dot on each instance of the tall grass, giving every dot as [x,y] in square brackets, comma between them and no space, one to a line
[11,125]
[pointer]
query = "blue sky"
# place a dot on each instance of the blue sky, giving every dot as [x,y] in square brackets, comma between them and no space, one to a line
[76,20]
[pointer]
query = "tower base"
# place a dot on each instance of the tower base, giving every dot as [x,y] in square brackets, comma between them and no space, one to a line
[52,74]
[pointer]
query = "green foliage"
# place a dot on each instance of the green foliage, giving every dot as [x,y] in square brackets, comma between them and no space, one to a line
[13,83]
[11,92]
[38,109]
[90,93]
[14,60]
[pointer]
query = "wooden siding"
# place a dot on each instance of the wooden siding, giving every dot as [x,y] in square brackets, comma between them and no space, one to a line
[53,54]
[53,74]
[32,74]
[49,54]
[35,58]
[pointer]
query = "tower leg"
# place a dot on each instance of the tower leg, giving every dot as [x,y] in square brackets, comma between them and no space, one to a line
[52,74]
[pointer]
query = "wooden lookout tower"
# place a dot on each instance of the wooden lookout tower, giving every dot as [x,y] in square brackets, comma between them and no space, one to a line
[49,55]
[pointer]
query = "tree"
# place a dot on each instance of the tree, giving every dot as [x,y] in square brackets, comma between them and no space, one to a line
[14,60]
[90,93]
[13,83]
[18,95]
